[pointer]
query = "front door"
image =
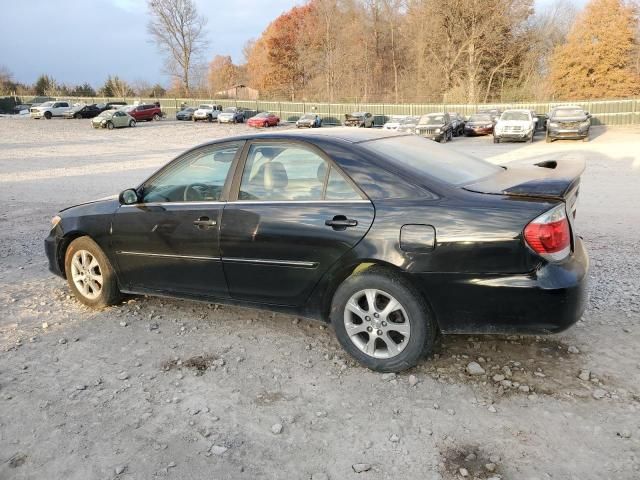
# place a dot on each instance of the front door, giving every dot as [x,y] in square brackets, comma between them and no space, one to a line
[295,215]
[169,242]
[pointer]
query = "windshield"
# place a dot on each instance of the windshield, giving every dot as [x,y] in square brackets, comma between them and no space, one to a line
[409,120]
[230,110]
[421,157]
[568,113]
[519,116]
[46,104]
[396,118]
[480,118]
[432,119]
[262,115]
[308,116]
[107,113]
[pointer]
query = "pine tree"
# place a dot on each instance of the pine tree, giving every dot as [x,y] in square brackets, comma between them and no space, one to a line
[596,61]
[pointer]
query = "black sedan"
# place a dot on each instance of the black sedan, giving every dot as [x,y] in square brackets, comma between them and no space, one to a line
[568,122]
[83,111]
[390,237]
[185,114]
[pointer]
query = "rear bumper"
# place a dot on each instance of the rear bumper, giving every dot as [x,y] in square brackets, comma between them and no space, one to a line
[548,300]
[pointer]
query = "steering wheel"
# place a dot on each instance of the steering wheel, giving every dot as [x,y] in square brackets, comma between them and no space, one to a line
[198,188]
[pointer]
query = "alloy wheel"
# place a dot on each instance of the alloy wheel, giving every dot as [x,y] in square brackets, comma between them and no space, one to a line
[377,323]
[86,274]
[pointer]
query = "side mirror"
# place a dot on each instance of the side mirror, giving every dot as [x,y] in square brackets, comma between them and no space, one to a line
[128,197]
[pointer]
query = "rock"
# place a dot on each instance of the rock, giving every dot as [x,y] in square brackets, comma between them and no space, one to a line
[218,449]
[123,324]
[120,469]
[464,472]
[491,467]
[62,341]
[361,467]
[123,376]
[573,349]
[494,458]
[624,434]
[599,393]
[171,465]
[492,409]
[470,458]
[153,326]
[81,387]
[45,325]
[498,377]
[413,380]
[474,368]
[394,438]
[276,428]
[524,388]
[386,377]
[584,375]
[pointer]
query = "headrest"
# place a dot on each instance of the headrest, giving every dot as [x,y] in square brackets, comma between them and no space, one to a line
[275,176]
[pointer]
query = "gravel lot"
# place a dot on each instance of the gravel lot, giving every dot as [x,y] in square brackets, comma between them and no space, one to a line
[176,389]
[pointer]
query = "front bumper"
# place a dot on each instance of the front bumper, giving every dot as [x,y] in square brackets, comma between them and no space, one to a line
[225,120]
[570,133]
[37,114]
[548,300]
[52,249]
[520,136]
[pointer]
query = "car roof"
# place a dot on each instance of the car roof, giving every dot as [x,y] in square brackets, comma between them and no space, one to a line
[345,134]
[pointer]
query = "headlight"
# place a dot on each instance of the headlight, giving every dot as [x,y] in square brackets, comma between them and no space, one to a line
[586,123]
[437,130]
[103,121]
[55,221]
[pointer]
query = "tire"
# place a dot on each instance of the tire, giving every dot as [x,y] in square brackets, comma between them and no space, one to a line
[194,119]
[77,116]
[496,139]
[531,137]
[132,123]
[156,118]
[413,310]
[84,258]
[209,118]
[47,115]
[266,125]
[585,139]
[444,138]
[110,125]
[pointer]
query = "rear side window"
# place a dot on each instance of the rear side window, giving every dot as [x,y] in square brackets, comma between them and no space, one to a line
[421,157]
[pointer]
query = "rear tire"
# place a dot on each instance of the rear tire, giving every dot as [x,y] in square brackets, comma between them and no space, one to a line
[156,117]
[409,328]
[90,275]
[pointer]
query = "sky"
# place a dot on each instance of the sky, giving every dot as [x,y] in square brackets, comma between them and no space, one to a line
[78,41]
[86,40]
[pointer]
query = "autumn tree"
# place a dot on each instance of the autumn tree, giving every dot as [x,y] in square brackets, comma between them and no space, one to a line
[597,59]
[222,74]
[116,87]
[179,32]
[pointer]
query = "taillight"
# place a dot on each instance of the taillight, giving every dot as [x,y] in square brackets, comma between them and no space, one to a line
[549,235]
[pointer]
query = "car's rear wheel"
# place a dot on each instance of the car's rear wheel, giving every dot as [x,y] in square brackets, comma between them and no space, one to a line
[47,115]
[265,124]
[156,117]
[110,125]
[89,274]
[382,321]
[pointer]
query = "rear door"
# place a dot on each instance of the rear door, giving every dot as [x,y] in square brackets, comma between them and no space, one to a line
[294,215]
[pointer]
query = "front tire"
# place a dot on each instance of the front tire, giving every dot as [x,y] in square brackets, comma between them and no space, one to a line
[110,125]
[496,139]
[78,116]
[156,117]
[382,321]
[132,123]
[90,275]
[47,115]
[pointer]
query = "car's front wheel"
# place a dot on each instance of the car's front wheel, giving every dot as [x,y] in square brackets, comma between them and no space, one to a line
[382,321]
[47,115]
[132,123]
[110,125]
[89,274]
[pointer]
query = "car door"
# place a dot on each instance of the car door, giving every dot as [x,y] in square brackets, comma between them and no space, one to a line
[169,241]
[294,215]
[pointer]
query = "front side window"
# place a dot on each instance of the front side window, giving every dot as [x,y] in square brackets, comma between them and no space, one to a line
[199,177]
[291,172]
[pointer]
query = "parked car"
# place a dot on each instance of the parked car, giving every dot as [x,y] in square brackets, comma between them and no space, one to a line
[309,120]
[145,112]
[479,124]
[264,119]
[185,113]
[409,124]
[358,119]
[231,115]
[341,225]
[207,112]
[435,126]
[82,111]
[568,122]
[22,109]
[515,125]
[113,119]
[494,112]
[394,122]
[49,110]
[457,124]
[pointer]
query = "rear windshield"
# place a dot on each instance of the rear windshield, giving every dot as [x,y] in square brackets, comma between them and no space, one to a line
[432,119]
[480,117]
[521,116]
[421,157]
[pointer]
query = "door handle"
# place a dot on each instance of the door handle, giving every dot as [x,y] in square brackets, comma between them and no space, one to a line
[340,222]
[204,223]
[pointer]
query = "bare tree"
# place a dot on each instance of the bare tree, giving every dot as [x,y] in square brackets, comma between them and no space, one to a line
[179,32]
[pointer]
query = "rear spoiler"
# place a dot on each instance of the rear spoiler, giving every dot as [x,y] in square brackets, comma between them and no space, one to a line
[546,179]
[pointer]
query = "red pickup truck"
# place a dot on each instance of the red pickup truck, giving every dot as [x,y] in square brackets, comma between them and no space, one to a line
[144,112]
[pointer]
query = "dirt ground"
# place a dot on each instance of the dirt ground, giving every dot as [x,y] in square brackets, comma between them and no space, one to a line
[157,388]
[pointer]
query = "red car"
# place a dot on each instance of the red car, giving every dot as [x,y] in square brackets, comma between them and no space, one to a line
[264,119]
[144,112]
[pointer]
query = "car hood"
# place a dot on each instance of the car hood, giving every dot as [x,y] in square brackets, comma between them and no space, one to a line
[109,203]
[514,123]
[391,125]
[202,110]
[568,119]
[226,114]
